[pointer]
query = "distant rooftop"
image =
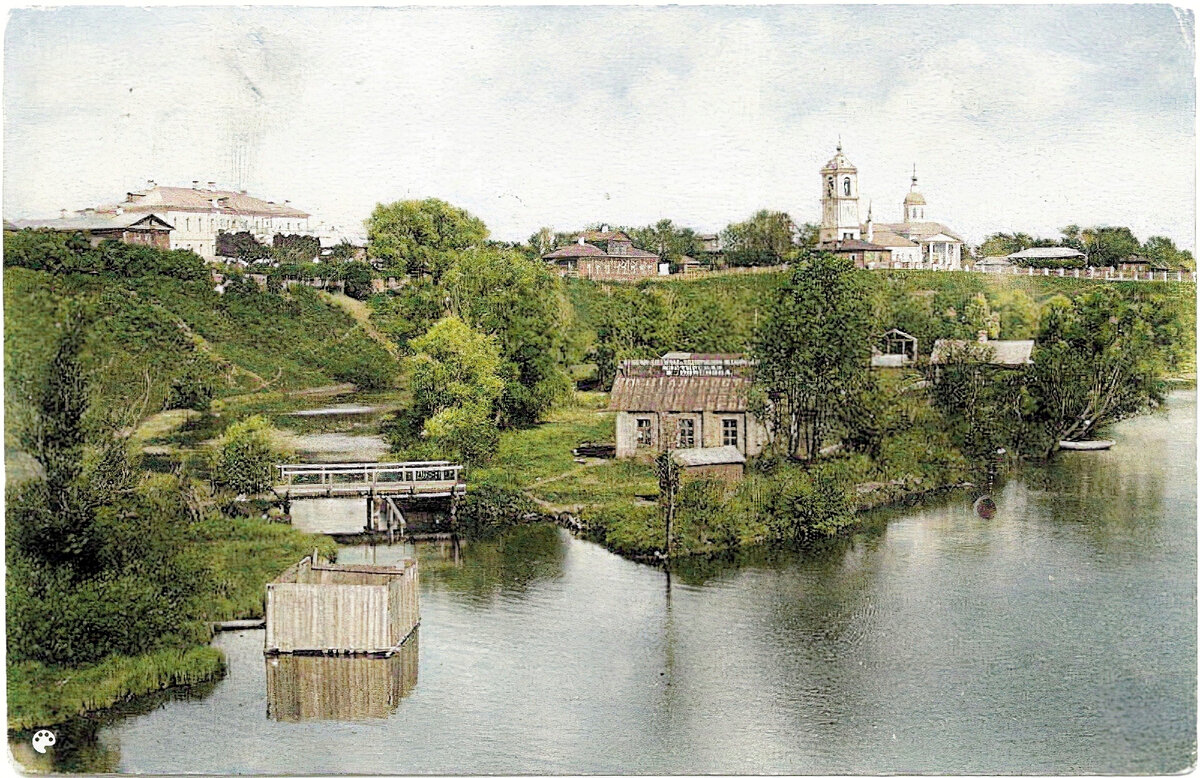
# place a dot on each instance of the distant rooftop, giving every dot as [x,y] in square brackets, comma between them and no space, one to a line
[1047,252]
[203,199]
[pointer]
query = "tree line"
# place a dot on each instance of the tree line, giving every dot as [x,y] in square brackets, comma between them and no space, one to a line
[1100,246]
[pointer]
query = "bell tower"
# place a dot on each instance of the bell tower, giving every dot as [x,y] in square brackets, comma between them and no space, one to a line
[839,200]
[914,202]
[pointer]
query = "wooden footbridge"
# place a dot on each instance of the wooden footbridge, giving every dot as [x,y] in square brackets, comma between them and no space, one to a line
[399,480]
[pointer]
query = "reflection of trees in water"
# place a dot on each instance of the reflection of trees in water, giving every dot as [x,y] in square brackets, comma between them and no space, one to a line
[483,568]
[78,748]
[347,688]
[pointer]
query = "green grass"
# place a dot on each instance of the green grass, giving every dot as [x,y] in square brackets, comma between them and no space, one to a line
[40,695]
[241,556]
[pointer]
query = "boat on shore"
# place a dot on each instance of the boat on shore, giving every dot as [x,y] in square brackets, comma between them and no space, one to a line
[1085,445]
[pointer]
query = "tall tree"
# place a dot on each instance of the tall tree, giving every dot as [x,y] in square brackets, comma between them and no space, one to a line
[455,378]
[421,237]
[766,238]
[1100,357]
[521,303]
[812,348]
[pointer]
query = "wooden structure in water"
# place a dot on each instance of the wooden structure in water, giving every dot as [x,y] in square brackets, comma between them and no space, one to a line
[402,480]
[346,688]
[315,607]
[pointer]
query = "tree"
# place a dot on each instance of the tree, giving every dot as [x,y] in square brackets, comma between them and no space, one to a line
[811,348]
[421,236]
[294,249]
[520,302]
[1001,244]
[245,457]
[665,239]
[766,238]
[1108,246]
[1162,253]
[633,323]
[1100,357]
[356,279]
[455,378]
[241,245]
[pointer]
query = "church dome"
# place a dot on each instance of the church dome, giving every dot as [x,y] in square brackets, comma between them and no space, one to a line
[914,198]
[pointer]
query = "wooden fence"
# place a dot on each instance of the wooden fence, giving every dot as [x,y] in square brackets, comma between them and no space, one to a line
[1088,273]
[317,607]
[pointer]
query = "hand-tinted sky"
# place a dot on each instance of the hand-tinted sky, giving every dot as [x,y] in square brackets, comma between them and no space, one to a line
[1017,117]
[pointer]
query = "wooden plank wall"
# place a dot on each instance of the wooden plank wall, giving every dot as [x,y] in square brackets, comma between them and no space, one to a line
[334,610]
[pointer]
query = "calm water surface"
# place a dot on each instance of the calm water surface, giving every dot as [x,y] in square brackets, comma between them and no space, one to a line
[1059,637]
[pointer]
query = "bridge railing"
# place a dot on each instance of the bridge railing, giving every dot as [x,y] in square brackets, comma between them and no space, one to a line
[417,474]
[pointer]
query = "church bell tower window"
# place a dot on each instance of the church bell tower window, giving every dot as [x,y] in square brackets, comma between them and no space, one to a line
[846,185]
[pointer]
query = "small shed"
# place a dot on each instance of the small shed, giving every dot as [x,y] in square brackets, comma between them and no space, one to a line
[896,349]
[722,462]
[316,607]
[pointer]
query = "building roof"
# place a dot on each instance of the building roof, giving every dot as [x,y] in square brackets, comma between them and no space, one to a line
[919,231]
[96,221]
[692,356]
[839,163]
[990,261]
[604,235]
[725,393]
[715,455]
[1006,353]
[914,198]
[1046,252]
[850,245]
[889,239]
[182,198]
[576,250]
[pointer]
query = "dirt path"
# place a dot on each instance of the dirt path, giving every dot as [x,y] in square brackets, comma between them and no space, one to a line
[359,311]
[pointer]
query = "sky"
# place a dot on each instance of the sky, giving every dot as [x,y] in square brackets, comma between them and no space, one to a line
[1021,118]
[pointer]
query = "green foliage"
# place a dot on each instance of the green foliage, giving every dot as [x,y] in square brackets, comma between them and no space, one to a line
[667,240]
[1100,357]
[806,507]
[421,236]
[194,386]
[241,245]
[356,278]
[295,248]
[812,347]
[245,456]
[763,239]
[62,253]
[488,507]
[454,375]
[521,303]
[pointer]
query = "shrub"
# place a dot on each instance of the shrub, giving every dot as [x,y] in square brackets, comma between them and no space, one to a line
[245,456]
[488,507]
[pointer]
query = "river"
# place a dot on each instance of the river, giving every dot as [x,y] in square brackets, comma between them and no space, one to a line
[1059,637]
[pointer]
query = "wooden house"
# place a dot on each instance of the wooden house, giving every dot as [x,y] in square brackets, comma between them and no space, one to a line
[685,401]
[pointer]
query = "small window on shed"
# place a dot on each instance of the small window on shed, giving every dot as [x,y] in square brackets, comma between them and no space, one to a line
[729,432]
[687,433]
[643,432]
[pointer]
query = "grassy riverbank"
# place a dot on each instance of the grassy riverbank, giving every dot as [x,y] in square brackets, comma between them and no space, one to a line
[615,501]
[239,557]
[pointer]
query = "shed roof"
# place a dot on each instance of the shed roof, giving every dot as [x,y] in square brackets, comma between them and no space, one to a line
[1005,353]
[716,455]
[1046,252]
[667,393]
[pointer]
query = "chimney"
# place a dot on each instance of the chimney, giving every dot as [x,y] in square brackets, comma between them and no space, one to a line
[242,191]
[62,213]
[150,183]
[195,184]
[120,210]
[580,237]
[212,185]
[982,336]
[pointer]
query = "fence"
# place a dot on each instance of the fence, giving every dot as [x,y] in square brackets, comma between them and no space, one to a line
[438,478]
[1089,273]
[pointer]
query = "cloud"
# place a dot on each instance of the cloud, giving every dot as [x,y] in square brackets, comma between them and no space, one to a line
[1023,117]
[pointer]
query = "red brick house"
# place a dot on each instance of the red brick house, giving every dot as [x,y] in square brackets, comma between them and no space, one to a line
[143,229]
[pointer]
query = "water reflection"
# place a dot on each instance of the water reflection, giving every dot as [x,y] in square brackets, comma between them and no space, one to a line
[344,688]
[480,570]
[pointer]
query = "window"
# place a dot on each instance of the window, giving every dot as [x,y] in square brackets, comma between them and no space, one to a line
[687,433]
[846,185]
[829,186]
[643,432]
[729,432]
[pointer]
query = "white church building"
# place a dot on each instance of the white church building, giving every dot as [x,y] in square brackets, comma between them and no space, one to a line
[914,243]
